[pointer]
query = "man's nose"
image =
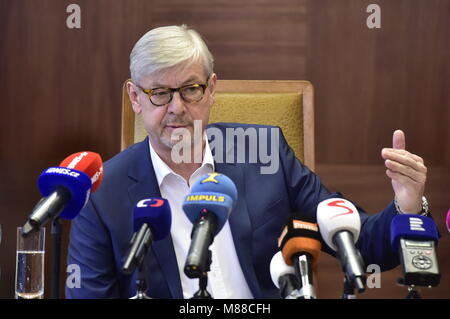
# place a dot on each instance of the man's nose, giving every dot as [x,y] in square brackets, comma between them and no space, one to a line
[177,105]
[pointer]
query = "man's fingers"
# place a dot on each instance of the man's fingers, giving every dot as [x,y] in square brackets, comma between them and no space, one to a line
[418,158]
[407,171]
[403,179]
[398,140]
[386,151]
[405,158]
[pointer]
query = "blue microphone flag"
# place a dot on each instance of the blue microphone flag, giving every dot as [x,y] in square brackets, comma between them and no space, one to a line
[414,227]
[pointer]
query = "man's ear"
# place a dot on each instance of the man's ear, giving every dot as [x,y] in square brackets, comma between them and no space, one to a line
[134,97]
[212,87]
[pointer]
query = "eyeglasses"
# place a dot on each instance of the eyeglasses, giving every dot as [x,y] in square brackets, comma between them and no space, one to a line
[189,93]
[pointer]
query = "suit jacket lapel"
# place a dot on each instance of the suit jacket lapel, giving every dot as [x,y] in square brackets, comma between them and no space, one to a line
[145,185]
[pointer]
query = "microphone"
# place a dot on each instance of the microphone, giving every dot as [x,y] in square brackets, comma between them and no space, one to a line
[339,225]
[414,237]
[66,189]
[300,247]
[89,163]
[151,221]
[284,278]
[208,207]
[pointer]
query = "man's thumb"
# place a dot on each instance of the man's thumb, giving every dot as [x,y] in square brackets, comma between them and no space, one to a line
[398,140]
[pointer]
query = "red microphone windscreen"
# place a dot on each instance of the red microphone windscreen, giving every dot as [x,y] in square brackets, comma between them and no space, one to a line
[89,163]
[301,235]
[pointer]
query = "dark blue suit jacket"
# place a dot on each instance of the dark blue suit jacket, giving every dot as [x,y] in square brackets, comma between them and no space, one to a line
[100,235]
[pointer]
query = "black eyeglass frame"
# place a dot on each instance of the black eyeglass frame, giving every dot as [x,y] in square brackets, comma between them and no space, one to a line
[171,91]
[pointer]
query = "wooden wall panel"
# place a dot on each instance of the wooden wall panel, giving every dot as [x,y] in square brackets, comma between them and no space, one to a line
[254,40]
[371,81]
[60,89]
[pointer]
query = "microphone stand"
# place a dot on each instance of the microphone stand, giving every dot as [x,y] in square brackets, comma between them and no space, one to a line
[349,289]
[351,285]
[56,256]
[136,259]
[413,293]
[304,273]
[202,293]
[141,283]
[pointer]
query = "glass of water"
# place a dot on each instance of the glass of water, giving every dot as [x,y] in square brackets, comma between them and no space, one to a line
[30,265]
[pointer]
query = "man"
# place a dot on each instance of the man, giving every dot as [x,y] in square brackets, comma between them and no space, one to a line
[172,86]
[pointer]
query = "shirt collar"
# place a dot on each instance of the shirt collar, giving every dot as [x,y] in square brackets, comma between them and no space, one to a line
[162,169]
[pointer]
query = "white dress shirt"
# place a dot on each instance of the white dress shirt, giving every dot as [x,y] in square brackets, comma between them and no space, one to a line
[225,279]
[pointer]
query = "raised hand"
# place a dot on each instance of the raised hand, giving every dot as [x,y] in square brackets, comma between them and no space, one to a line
[407,172]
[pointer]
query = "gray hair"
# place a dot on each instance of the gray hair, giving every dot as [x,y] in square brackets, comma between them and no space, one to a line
[164,47]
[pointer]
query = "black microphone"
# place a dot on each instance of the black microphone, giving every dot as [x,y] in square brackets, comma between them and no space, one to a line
[207,207]
[151,221]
